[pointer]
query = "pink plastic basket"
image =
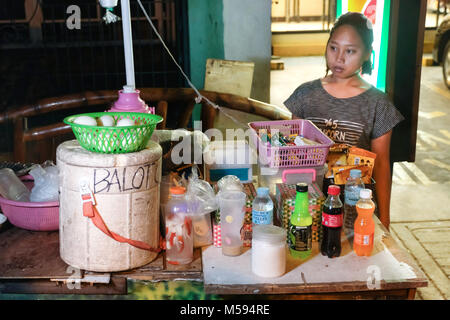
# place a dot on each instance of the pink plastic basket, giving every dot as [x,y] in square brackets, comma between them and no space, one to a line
[36,216]
[291,156]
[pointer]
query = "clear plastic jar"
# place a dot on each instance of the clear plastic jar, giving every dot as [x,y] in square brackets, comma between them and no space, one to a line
[268,251]
[179,231]
[203,235]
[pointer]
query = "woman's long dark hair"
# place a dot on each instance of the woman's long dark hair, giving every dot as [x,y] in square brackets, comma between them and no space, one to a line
[363,26]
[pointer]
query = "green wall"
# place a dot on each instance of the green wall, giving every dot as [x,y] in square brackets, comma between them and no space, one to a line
[205,39]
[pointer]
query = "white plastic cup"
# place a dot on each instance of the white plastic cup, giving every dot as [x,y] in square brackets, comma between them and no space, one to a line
[11,187]
[232,211]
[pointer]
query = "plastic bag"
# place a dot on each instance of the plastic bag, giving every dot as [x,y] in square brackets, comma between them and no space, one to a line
[46,182]
[202,202]
[200,195]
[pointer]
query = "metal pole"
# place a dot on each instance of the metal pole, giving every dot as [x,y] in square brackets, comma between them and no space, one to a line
[287,9]
[437,13]
[323,13]
[128,46]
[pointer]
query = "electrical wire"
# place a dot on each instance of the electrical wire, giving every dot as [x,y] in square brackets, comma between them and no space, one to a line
[170,54]
[199,97]
[38,3]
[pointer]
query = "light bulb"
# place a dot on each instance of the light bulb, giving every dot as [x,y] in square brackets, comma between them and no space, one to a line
[108,3]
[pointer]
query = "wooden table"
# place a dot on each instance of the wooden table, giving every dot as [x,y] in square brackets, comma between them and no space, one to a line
[30,263]
[389,273]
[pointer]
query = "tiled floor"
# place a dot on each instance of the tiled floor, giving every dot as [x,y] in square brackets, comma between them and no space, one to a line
[428,242]
[420,203]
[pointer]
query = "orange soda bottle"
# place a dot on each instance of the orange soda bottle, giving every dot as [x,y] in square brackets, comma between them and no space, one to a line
[364,227]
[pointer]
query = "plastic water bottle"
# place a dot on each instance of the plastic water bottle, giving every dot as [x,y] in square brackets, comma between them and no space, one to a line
[262,208]
[353,187]
[11,187]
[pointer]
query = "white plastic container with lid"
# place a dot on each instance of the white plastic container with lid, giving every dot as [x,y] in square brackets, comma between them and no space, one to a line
[268,251]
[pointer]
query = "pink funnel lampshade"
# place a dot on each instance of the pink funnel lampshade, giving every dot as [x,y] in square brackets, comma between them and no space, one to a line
[131,102]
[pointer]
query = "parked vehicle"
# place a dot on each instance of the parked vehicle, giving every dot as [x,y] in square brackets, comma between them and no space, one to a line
[441,49]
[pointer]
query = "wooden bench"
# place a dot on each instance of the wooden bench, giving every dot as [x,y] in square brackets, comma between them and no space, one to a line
[37,143]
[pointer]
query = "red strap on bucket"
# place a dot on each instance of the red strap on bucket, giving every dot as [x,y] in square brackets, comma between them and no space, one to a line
[90,211]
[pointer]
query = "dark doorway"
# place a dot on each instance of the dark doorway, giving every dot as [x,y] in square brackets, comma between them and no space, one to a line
[41,57]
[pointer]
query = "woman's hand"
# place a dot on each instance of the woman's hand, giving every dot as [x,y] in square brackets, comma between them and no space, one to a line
[382,175]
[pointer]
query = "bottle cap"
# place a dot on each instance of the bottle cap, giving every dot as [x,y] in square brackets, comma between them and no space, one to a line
[365,194]
[262,191]
[301,187]
[334,190]
[355,173]
[177,190]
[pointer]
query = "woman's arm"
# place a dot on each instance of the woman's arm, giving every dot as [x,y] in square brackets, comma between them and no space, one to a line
[382,175]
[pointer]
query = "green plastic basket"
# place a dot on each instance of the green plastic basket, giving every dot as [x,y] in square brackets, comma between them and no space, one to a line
[115,139]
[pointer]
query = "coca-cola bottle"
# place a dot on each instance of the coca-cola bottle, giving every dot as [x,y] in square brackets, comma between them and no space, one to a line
[332,223]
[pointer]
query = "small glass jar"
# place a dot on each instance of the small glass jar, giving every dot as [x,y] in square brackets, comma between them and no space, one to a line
[268,251]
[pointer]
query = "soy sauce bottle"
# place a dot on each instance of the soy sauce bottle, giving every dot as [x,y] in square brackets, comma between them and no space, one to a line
[332,218]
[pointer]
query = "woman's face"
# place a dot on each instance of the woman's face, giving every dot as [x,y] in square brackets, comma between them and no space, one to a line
[345,52]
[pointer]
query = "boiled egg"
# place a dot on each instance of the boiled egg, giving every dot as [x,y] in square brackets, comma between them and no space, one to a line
[125,122]
[106,121]
[85,120]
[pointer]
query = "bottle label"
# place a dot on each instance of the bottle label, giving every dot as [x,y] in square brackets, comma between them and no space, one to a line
[262,217]
[363,239]
[352,196]
[300,237]
[332,220]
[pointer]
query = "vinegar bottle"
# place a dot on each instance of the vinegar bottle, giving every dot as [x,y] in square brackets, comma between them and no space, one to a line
[364,227]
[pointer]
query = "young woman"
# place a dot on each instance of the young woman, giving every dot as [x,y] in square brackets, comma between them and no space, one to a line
[347,108]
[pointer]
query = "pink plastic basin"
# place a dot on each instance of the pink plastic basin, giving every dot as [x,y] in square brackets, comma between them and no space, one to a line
[35,216]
